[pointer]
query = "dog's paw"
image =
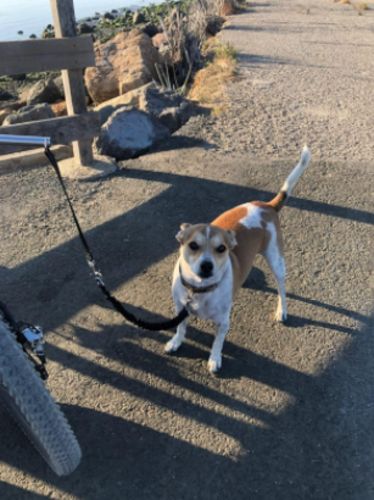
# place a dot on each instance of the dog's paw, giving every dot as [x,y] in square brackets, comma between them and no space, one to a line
[172,346]
[280,316]
[214,364]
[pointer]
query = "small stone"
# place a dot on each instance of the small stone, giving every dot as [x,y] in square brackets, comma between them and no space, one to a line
[85,28]
[20,77]
[59,108]
[151,29]
[159,40]
[214,25]
[138,17]
[5,95]
[60,86]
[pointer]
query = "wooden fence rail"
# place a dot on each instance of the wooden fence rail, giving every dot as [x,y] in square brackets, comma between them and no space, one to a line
[68,53]
[45,55]
[61,130]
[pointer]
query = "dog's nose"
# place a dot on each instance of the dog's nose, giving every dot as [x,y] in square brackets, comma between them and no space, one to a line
[206,268]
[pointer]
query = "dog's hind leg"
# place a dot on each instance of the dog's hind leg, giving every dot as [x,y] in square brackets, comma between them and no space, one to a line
[275,259]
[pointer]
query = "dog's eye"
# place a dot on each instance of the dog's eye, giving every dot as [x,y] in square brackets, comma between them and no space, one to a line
[221,249]
[193,246]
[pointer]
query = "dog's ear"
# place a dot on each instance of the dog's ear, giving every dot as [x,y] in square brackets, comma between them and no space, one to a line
[182,233]
[231,239]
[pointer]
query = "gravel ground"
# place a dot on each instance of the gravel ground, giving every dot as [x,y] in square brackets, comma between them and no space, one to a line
[291,414]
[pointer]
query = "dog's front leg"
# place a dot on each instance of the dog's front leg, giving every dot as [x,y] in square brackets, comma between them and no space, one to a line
[215,358]
[176,341]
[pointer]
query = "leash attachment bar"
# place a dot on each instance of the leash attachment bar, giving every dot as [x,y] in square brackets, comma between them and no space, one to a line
[117,305]
[30,338]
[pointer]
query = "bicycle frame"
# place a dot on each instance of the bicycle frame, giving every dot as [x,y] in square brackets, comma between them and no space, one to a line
[32,140]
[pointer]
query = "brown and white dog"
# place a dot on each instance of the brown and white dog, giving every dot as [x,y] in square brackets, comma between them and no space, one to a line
[215,260]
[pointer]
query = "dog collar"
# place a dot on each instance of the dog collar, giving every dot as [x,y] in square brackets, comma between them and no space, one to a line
[196,289]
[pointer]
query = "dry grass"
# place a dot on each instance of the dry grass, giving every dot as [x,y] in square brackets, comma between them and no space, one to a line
[360,7]
[210,83]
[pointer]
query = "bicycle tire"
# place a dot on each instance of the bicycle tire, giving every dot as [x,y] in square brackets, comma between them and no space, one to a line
[30,404]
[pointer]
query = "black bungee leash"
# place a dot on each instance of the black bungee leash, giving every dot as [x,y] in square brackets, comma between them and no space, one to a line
[117,305]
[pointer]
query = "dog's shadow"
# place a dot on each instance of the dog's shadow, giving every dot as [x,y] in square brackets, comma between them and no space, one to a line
[235,358]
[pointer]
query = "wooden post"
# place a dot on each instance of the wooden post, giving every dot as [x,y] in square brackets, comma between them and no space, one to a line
[64,24]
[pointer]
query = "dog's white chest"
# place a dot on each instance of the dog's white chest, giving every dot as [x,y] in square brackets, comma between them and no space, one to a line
[205,306]
[213,305]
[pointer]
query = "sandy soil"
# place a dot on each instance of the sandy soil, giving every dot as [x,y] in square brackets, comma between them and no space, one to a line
[291,415]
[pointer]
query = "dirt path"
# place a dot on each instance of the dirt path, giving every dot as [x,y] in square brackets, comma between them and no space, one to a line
[291,415]
[306,70]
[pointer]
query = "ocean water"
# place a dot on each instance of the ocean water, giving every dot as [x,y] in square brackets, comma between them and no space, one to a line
[31,16]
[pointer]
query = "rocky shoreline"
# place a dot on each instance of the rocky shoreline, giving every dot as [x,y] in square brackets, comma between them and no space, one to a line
[145,60]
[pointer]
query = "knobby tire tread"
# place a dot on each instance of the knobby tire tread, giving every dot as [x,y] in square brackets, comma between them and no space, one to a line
[35,411]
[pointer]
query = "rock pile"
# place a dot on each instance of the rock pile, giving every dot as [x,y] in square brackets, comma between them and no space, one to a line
[135,113]
[136,120]
[124,63]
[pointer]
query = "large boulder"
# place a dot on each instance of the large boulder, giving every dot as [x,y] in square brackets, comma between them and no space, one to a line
[128,133]
[133,98]
[30,113]
[124,63]
[170,108]
[43,91]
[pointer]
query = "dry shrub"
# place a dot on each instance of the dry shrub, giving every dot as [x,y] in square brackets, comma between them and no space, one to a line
[182,52]
[210,83]
[186,34]
[361,6]
[201,11]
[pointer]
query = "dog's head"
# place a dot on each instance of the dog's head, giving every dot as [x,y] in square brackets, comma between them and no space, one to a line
[205,248]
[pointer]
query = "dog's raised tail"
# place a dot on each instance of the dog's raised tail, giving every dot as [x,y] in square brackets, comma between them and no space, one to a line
[285,192]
